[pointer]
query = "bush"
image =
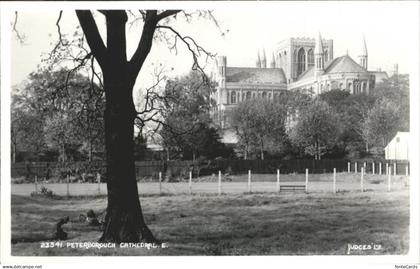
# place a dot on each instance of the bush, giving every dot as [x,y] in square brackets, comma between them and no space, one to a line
[45,192]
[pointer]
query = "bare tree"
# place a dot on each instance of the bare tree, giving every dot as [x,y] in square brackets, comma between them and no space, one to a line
[124,221]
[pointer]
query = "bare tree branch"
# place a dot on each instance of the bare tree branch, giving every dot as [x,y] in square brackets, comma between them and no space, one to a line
[93,37]
[195,49]
[20,37]
[166,13]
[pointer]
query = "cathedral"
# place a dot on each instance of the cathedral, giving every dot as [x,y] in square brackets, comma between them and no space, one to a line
[297,64]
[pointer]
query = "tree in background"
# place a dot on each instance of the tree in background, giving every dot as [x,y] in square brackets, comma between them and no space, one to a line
[26,129]
[242,123]
[396,89]
[58,111]
[382,123]
[260,126]
[316,129]
[352,110]
[187,126]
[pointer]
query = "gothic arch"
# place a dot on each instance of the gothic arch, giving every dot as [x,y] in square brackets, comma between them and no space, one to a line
[301,63]
[311,60]
[233,97]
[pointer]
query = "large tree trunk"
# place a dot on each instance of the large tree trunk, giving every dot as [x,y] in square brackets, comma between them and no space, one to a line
[124,221]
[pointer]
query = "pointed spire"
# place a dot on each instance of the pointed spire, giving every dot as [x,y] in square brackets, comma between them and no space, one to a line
[318,45]
[258,63]
[347,52]
[364,47]
[264,60]
[273,61]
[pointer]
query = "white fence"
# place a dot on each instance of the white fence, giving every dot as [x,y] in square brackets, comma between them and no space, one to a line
[248,183]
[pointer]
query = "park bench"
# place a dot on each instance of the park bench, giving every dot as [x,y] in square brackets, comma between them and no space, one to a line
[292,188]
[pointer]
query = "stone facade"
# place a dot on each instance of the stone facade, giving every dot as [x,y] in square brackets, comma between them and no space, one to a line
[298,64]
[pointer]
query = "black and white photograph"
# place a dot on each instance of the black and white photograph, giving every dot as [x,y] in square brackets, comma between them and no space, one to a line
[277,130]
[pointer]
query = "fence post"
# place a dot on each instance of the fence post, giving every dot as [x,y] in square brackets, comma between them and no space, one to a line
[380,168]
[348,167]
[355,167]
[389,179]
[190,183]
[278,180]
[160,183]
[249,181]
[36,184]
[68,186]
[306,180]
[386,170]
[373,168]
[361,180]
[98,178]
[334,180]
[219,187]
[406,170]
[395,169]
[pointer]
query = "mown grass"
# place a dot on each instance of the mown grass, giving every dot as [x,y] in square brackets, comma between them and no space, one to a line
[234,224]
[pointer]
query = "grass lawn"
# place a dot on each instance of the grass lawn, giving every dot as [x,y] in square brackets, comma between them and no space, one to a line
[234,224]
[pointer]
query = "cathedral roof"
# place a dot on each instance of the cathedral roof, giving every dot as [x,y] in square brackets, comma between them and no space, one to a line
[343,64]
[255,75]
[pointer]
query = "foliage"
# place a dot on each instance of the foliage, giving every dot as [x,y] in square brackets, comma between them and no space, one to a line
[382,122]
[261,124]
[57,110]
[187,125]
[369,121]
[44,192]
[317,129]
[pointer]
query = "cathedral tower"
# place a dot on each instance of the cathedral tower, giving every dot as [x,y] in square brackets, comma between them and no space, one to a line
[319,56]
[363,58]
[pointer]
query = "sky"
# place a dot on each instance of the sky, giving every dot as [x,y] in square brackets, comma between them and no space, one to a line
[389,29]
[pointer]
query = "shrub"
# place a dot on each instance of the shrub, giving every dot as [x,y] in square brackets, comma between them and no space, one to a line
[45,192]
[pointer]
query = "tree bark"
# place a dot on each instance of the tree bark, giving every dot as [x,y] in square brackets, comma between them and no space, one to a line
[124,221]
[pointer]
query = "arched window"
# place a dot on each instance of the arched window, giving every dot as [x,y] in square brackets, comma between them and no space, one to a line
[275,96]
[248,95]
[264,95]
[325,56]
[233,97]
[269,95]
[254,95]
[341,86]
[311,61]
[364,87]
[350,87]
[301,61]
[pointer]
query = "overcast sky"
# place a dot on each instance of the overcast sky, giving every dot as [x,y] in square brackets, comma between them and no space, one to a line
[389,28]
